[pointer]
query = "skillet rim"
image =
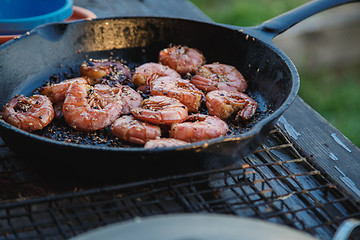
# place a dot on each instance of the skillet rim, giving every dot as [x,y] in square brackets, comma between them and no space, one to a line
[255,32]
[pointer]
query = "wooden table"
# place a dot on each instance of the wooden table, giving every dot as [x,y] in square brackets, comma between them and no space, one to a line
[309,131]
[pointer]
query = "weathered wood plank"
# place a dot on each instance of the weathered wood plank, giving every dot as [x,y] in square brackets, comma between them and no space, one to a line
[324,144]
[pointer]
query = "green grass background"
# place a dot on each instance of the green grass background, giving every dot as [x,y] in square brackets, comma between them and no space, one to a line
[334,93]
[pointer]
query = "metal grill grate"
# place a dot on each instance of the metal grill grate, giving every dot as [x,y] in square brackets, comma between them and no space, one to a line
[276,183]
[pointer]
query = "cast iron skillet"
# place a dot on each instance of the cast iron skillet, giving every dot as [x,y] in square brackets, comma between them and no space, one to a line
[26,63]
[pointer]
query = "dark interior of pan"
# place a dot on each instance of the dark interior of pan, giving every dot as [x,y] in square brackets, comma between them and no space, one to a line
[59,49]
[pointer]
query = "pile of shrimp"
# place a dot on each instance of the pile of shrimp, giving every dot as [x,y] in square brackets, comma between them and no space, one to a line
[159,106]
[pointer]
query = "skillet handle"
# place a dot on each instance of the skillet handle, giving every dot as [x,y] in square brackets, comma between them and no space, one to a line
[277,25]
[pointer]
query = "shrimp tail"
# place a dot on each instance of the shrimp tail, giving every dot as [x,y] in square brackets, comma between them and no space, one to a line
[247,112]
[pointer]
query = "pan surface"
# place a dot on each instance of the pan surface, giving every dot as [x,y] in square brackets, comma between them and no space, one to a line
[29,62]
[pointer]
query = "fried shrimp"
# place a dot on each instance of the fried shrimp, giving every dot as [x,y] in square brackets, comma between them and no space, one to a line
[180,89]
[199,127]
[129,129]
[96,70]
[147,72]
[224,103]
[130,98]
[57,92]
[88,109]
[161,110]
[164,142]
[218,76]
[182,59]
[103,94]
[28,113]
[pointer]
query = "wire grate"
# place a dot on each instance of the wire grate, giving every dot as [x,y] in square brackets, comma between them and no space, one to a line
[276,183]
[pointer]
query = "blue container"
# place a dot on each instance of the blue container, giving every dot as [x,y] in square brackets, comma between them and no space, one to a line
[19,16]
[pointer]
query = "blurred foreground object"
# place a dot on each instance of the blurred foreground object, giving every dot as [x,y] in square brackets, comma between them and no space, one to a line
[19,16]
